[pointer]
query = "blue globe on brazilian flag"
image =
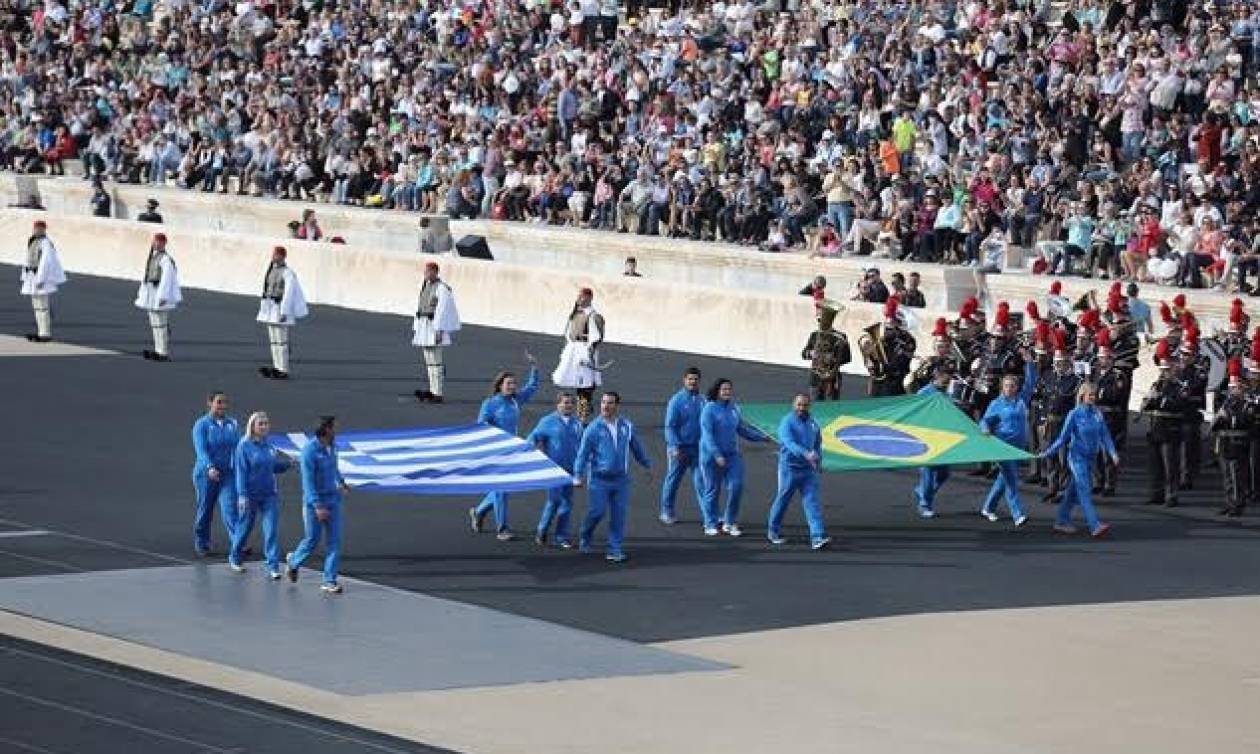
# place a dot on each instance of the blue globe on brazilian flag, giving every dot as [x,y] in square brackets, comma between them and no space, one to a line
[893,432]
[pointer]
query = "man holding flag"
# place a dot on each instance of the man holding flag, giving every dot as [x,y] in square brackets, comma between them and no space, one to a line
[800,456]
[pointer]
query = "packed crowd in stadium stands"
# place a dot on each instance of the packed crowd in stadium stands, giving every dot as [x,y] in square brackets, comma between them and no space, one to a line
[1114,139]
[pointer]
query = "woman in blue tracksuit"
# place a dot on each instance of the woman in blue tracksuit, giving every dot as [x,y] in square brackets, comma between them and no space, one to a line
[607,445]
[932,478]
[1085,434]
[256,463]
[1007,419]
[720,461]
[503,410]
[214,437]
[322,490]
[557,436]
[800,454]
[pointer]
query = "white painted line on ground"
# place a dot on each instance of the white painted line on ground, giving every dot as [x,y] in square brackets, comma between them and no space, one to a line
[25,533]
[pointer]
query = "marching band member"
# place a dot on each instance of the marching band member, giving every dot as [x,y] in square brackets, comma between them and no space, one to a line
[41,276]
[282,305]
[502,409]
[1235,341]
[1113,401]
[436,318]
[1043,355]
[942,357]
[1084,435]
[607,446]
[1252,390]
[887,350]
[1233,428]
[933,478]
[682,444]
[721,426]
[800,458]
[579,369]
[159,294]
[1006,417]
[557,435]
[827,350]
[1194,377]
[1059,390]
[1165,408]
[215,436]
[256,463]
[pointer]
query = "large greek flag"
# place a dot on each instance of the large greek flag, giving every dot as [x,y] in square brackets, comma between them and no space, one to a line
[466,460]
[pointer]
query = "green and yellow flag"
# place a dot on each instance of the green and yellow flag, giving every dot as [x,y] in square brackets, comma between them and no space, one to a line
[903,431]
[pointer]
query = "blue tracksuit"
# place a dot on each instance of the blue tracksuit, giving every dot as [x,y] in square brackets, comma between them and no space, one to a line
[720,430]
[214,442]
[321,488]
[931,478]
[1085,434]
[1007,419]
[559,437]
[603,459]
[682,441]
[504,412]
[798,437]
[256,464]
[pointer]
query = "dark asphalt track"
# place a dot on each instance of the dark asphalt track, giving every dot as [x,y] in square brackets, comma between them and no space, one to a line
[99,447]
[97,452]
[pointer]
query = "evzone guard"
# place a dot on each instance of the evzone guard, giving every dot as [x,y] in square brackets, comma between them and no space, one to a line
[158,296]
[579,368]
[436,318]
[887,350]
[281,307]
[41,276]
[827,350]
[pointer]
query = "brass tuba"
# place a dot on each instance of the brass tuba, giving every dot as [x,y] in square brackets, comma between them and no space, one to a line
[871,344]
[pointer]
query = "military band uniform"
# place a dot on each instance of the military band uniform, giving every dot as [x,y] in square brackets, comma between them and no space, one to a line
[889,364]
[41,276]
[1058,390]
[158,296]
[1232,430]
[1164,408]
[1113,395]
[827,350]
[1195,379]
[436,318]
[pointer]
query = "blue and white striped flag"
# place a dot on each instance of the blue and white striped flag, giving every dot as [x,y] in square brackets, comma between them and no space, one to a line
[466,460]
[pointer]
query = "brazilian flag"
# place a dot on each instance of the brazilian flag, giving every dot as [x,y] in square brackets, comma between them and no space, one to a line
[902,431]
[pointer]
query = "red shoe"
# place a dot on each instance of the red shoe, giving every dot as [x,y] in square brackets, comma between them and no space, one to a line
[1101,532]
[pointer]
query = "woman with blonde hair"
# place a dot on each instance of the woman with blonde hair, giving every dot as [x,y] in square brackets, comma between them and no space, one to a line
[1085,434]
[256,463]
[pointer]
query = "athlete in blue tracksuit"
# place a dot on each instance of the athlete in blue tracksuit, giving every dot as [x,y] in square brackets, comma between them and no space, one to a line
[256,463]
[932,478]
[558,435]
[607,445]
[1007,419]
[800,453]
[214,437]
[322,488]
[682,444]
[720,460]
[503,410]
[1085,434]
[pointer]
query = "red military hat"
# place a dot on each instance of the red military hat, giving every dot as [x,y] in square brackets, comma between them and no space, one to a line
[941,330]
[1041,337]
[1032,311]
[1163,354]
[890,308]
[1002,319]
[1235,367]
[159,238]
[1103,339]
[1056,288]
[280,251]
[1060,344]
[1237,317]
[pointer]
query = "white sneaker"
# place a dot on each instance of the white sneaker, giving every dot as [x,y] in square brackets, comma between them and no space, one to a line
[330,587]
[1021,521]
[776,539]
[667,519]
[236,567]
[993,517]
[926,513]
[710,531]
[273,575]
[733,530]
